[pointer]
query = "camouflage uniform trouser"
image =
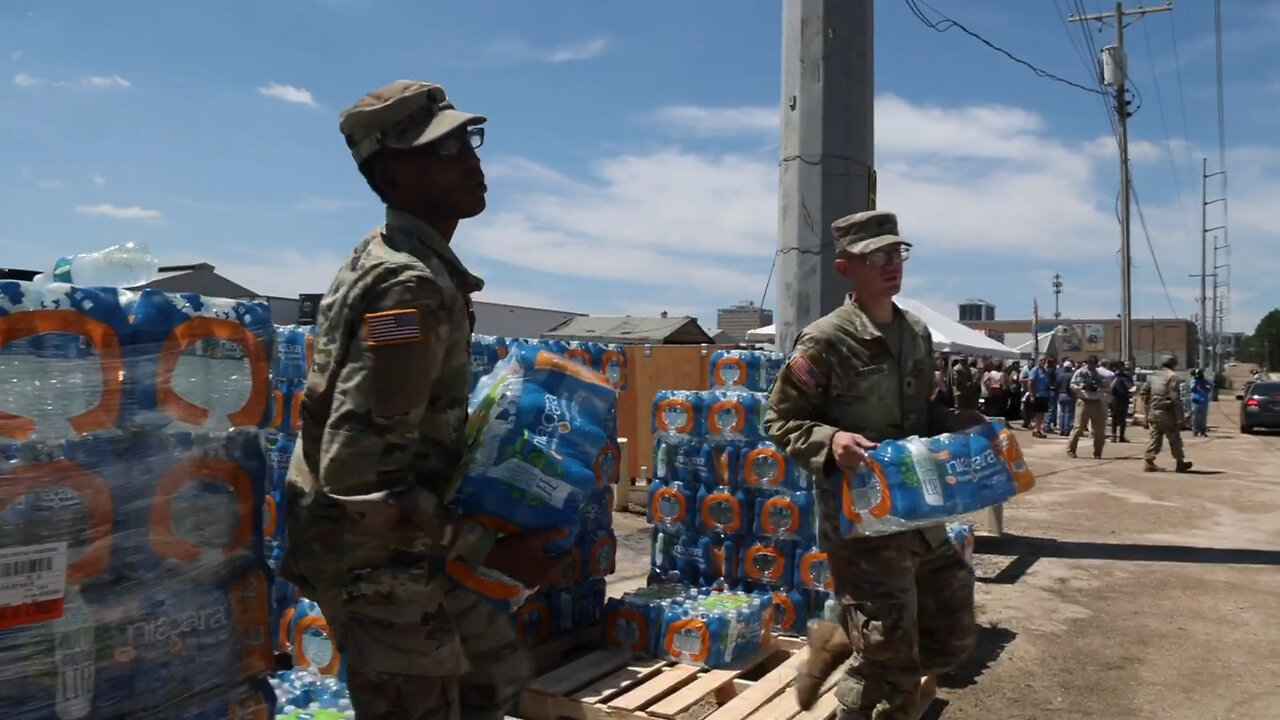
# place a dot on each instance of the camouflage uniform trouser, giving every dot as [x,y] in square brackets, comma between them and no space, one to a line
[473,669]
[1164,424]
[907,603]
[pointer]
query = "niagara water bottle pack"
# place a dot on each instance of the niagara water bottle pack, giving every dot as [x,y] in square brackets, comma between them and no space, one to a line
[925,481]
[133,576]
[698,626]
[744,370]
[608,360]
[543,453]
[729,509]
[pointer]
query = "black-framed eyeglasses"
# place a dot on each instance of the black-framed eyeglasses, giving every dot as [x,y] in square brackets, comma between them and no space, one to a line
[887,256]
[453,143]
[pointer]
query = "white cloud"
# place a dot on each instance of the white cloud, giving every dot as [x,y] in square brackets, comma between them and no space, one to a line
[582,50]
[100,82]
[27,80]
[16,55]
[98,180]
[288,93]
[132,212]
[988,191]
[49,185]
[563,53]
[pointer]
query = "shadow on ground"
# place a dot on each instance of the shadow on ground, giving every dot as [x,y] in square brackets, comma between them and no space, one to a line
[991,642]
[1025,551]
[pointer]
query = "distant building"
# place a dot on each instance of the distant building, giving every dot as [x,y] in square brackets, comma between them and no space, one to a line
[1077,339]
[630,330]
[736,321]
[491,318]
[1231,344]
[976,310]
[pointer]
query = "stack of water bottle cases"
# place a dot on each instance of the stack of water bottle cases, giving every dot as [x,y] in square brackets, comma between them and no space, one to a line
[133,580]
[545,453]
[734,545]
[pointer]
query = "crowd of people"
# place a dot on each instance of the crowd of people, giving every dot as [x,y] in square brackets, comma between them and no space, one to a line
[1048,396]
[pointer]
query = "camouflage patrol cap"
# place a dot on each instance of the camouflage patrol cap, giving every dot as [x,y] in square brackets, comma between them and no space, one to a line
[405,114]
[866,232]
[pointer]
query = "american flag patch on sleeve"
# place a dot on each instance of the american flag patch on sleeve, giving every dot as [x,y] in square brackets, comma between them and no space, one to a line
[804,371]
[392,326]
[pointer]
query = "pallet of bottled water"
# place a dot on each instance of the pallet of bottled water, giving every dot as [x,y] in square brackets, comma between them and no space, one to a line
[133,466]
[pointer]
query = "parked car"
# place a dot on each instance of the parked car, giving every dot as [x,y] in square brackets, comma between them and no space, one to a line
[1260,406]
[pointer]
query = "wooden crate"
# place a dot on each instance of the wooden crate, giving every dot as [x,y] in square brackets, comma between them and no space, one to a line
[651,368]
[617,685]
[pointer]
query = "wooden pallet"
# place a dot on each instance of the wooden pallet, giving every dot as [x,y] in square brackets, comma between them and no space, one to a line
[618,685]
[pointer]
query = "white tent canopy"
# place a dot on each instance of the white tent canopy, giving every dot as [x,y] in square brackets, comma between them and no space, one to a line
[949,336]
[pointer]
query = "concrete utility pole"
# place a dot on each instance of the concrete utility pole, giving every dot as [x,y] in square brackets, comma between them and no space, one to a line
[1117,18]
[825,171]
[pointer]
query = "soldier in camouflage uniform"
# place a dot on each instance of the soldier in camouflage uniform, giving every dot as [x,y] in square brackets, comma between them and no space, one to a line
[382,434]
[1164,415]
[858,376]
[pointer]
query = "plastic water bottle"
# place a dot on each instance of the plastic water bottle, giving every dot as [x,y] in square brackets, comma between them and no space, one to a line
[121,266]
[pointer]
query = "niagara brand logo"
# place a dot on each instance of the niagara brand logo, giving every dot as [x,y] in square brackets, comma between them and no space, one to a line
[972,464]
[290,351]
[551,425]
[171,628]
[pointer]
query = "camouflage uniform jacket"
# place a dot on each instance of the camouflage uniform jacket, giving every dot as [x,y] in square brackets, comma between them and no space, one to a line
[383,419]
[1165,392]
[845,375]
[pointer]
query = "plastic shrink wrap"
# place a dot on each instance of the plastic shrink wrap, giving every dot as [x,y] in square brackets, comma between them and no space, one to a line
[133,575]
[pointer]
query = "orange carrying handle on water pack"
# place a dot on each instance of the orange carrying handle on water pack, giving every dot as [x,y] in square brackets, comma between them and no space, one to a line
[783,601]
[882,507]
[726,498]
[469,578]
[678,626]
[793,513]
[675,402]
[739,418]
[626,616]
[534,613]
[106,413]
[299,653]
[164,540]
[749,467]
[278,408]
[202,328]
[662,493]
[775,573]
[605,468]
[614,357]
[807,561]
[94,493]
[717,370]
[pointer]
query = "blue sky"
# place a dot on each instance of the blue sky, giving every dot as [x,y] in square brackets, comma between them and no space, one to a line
[632,147]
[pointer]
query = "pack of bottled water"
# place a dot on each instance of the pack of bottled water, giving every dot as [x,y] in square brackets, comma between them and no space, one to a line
[133,575]
[750,370]
[543,441]
[607,359]
[699,626]
[922,481]
[729,509]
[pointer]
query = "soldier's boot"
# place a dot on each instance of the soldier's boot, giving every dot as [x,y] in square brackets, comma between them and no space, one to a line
[1183,466]
[1151,466]
[829,647]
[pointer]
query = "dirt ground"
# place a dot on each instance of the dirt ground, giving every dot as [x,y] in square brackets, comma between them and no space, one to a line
[1114,593]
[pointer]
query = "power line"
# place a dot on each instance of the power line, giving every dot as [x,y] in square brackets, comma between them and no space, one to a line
[947,23]
[1142,220]
[1168,138]
[1182,95]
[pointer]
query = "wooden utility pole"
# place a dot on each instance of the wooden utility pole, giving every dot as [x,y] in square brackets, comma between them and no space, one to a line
[1114,75]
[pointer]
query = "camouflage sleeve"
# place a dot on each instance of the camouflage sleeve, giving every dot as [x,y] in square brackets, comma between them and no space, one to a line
[379,400]
[796,406]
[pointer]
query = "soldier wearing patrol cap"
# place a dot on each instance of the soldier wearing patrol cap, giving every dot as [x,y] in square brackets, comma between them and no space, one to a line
[382,435]
[1164,415]
[858,376]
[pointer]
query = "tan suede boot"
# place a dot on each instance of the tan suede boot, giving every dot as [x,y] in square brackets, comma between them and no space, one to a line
[829,647]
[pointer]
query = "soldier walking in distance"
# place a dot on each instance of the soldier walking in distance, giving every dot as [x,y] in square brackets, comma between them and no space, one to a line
[1091,407]
[858,376]
[382,434]
[1164,416]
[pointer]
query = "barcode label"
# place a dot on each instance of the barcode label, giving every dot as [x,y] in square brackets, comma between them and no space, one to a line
[33,583]
[25,567]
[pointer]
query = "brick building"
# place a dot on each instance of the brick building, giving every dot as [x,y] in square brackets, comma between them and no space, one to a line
[1078,339]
